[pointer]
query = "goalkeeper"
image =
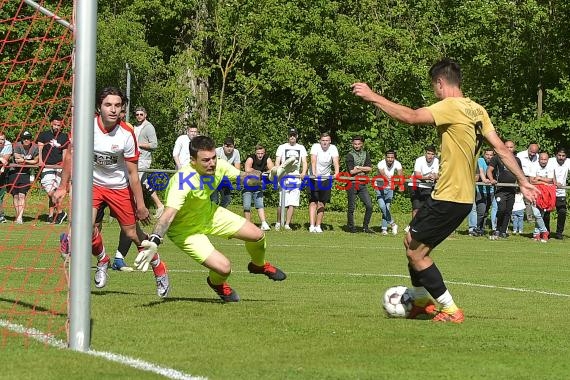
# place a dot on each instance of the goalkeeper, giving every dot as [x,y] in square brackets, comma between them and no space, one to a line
[190,216]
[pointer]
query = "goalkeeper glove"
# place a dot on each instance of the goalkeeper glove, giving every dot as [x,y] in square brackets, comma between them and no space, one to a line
[145,256]
[287,167]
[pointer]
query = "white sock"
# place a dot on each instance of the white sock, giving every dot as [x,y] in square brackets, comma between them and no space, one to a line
[447,301]
[119,255]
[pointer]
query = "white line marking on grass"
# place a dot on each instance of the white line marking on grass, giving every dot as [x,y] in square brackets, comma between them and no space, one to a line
[121,359]
[522,290]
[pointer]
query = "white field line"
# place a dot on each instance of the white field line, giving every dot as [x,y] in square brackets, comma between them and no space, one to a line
[169,373]
[471,284]
[375,248]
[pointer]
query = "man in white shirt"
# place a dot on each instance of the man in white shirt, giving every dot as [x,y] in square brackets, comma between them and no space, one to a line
[228,153]
[181,151]
[324,156]
[541,173]
[387,168]
[528,158]
[561,165]
[292,190]
[426,168]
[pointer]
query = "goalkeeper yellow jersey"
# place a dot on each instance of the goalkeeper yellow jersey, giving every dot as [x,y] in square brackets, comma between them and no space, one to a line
[189,193]
[461,124]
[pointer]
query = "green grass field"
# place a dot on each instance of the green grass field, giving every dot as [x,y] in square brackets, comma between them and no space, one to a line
[325,321]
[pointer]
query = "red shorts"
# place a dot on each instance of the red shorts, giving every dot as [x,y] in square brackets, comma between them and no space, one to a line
[120,202]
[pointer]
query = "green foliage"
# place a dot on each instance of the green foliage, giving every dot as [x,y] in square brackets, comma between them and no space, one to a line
[35,71]
[266,65]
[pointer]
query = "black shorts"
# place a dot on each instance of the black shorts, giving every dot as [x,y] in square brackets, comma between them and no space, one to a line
[19,183]
[320,190]
[436,220]
[419,196]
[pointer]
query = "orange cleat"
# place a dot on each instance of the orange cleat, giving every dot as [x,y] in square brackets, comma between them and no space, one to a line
[456,317]
[423,312]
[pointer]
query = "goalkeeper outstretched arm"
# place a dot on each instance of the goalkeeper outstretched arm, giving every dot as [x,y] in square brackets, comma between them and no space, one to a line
[251,178]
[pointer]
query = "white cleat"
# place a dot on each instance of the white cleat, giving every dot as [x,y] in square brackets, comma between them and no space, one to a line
[101,276]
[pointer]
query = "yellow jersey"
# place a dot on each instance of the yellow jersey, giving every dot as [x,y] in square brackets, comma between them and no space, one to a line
[461,124]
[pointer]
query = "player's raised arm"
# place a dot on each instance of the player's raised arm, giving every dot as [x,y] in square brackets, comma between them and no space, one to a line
[396,111]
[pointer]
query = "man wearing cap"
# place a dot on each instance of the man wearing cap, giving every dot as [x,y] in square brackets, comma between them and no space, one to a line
[52,146]
[25,153]
[228,153]
[292,192]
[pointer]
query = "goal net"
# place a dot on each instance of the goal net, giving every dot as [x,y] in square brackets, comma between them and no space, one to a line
[35,84]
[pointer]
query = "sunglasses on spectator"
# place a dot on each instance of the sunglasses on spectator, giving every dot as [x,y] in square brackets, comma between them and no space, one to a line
[139,114]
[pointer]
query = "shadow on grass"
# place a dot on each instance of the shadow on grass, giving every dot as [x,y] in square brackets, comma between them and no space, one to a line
[110,292]
[36,308]
[198,300]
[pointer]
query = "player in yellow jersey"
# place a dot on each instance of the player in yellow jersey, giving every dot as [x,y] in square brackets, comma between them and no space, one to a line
[461,124]
[190,216]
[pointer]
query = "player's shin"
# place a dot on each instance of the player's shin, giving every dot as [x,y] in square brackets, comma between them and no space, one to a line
[432,280]
[256,250]
[216,278]
[421,295]
[97,247]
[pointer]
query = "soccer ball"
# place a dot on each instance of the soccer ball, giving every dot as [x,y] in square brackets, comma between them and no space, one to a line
[397,301]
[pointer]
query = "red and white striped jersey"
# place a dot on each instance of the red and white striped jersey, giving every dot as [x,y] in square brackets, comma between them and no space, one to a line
[110,151]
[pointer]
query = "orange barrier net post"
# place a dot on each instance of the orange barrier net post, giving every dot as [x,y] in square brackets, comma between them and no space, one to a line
[35,83]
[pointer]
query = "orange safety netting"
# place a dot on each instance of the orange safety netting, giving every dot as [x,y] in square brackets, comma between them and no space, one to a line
[35,83]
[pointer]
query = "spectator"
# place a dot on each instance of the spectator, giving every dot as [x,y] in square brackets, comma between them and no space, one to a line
[528,158]
[261,162]
[484,195]
[426,168]
[228,153]
[518,214]
[25,153]
[289,197]
[52,145]
[561,165]
[541,173]
[388,167]
[358,163]
[498,172]
[181,152]
[123,117]
[147,142]
[5,156]
[324,157]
